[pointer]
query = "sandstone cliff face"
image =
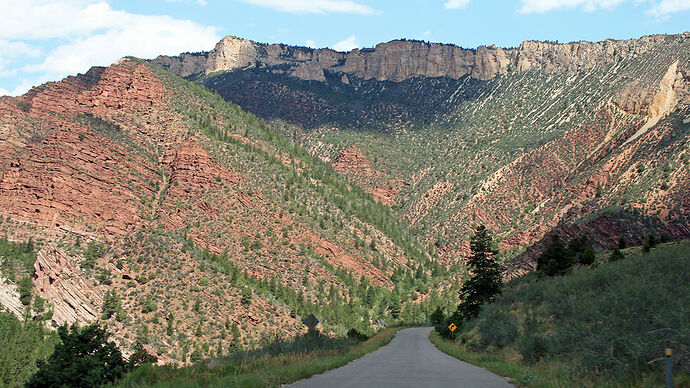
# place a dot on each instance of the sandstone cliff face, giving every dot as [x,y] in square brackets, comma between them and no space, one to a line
[64,170]
[393,61]
[9,298]
[58,279]
[400,60]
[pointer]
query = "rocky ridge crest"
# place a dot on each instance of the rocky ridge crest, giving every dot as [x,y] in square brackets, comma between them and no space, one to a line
[399,60]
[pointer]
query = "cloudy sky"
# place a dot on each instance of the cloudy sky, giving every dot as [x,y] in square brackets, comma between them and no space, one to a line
[46,40]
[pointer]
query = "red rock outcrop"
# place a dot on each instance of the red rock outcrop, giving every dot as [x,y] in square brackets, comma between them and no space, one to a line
[353,163]
[73,296]
[73,165]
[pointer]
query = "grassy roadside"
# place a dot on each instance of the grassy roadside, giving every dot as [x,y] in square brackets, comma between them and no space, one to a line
[262,371]
[600,326]
[507,362]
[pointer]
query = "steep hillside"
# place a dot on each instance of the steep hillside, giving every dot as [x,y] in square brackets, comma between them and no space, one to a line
[602,326]
[557,135]
[185,223]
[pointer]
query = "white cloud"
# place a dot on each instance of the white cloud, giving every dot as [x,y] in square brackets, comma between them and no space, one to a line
[456,4]
[314,6]
[657,8]
[346,44]
[310,43]
[10,49]
[11,52]
[144,37]
[542,6]
[91,34]
[36,19]
[22,88]
[665,7]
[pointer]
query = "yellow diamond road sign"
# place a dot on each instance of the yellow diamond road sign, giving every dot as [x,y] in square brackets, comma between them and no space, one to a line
[452,327]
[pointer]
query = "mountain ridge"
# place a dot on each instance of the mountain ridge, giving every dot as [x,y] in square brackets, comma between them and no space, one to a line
[385,61]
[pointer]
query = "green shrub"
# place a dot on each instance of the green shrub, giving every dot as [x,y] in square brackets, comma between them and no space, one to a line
[353,333]
[532,344]
[616,255]
[610,320]
[497,328]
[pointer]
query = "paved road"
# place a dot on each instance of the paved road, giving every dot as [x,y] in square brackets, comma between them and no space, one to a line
[410,360]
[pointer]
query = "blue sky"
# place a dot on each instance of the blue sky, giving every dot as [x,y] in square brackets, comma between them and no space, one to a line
[46,40]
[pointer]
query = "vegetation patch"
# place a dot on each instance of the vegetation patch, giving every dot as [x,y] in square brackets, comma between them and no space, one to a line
[602,326]
[280,362]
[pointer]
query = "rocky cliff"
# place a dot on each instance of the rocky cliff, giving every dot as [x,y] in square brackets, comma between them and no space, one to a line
[399,60]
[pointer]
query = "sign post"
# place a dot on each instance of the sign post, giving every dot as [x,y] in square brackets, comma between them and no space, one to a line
[669,366]
[452,327]
[311,321]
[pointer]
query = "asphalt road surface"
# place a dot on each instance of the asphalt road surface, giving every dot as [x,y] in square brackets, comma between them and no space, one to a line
[410,360]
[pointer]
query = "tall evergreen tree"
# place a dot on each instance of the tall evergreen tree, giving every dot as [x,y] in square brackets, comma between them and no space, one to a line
[85,358]
[485,281]
[587,256]
[394,304]
[25,290]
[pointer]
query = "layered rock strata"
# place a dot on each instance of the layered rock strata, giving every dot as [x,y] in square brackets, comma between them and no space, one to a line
[399,60]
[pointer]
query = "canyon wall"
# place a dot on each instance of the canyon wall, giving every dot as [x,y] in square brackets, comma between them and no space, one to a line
[399,60]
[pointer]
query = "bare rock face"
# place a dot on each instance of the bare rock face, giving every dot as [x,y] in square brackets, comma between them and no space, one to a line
[59,279]
[399,60]
[352,162]
[9,298]
[231,53]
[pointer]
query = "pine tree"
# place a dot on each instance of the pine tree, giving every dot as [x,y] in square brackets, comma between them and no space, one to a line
[236,338]
[84,358]
[25,290]
[556,259]
[170,330]
[485,282]
[246,297]
[140,357]
[621,243]
[112,306]
[649,243]
[616,255]
[587,256]
[394,304]
[437,316]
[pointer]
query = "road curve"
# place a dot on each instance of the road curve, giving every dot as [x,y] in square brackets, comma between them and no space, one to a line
[410,360]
